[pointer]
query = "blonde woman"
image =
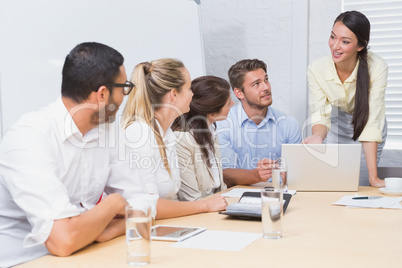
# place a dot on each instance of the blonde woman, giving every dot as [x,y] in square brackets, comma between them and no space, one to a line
[162,92]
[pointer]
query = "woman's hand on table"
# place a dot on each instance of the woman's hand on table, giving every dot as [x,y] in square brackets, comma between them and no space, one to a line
[215,203]
[376,182]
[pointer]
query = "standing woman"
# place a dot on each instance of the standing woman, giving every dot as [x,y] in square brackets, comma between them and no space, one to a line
[197,140]
[347,94]
[162,93]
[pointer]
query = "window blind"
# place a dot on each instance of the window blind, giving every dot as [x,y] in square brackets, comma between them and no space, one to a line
[386,41]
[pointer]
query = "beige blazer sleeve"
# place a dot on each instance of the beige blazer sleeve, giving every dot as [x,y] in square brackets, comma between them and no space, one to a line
[196,179]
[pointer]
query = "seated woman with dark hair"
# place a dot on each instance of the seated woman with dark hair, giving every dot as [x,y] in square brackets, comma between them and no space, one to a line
[197,141]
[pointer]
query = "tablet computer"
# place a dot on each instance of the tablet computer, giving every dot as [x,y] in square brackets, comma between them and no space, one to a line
[173,232]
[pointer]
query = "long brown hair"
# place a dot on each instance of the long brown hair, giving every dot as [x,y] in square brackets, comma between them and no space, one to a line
[360,26]
[211,93]
[152,80]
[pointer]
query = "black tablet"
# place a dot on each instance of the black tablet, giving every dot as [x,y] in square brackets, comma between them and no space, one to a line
[249,206]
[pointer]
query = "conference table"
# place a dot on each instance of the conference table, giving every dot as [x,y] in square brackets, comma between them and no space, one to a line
[315,234]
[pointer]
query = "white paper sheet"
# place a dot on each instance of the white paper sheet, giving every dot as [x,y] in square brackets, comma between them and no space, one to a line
[384,202]
[237,192]
[219,240]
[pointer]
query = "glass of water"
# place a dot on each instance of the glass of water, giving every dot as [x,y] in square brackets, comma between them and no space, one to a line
[138,234]
[280,174]
[271,213]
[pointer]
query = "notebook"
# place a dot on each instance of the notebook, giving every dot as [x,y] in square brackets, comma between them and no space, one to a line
[322,167]
[249,206]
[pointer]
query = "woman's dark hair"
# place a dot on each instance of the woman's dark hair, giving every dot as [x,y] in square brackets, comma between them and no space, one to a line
[87,67]
[360,26]
[211,93]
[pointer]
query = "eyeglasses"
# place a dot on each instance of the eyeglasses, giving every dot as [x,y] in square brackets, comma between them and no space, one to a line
[127,87]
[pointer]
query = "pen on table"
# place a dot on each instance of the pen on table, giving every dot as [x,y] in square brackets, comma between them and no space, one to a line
[366,197]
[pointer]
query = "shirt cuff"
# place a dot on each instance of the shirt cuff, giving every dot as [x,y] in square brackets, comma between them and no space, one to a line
[371,134]
[322,120]
[42,228]
[39,234]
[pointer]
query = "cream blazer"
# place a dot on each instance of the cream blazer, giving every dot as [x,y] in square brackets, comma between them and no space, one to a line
[196,176]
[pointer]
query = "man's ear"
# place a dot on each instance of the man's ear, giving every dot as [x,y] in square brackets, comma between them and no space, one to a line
[102,94]
[238,93]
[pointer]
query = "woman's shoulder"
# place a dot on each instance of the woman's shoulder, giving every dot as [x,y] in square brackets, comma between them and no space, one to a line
[181,133]
[138,131]
[321,63]
[184,138]
[138,126]
[375,62]
[185,143]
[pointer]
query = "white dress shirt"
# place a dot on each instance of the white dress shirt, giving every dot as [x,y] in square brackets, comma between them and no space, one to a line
[140,157]
[48,171]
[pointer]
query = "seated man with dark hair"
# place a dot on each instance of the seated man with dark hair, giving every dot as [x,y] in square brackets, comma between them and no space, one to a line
[54,166]
[252,135]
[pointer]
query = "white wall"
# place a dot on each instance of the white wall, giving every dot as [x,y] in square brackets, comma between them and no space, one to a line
[37,35]
[322,16]
[234,30]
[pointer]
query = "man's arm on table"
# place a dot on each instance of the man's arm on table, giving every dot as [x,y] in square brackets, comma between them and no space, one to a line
[238,176]
[71,234]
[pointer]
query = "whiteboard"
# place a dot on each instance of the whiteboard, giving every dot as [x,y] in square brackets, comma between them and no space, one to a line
[37,35]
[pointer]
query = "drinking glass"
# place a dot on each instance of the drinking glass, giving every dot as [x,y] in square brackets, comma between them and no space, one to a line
[271,213]
[280,174]
[138,234]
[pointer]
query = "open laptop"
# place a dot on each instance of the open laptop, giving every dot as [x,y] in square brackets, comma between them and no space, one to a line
[322,167]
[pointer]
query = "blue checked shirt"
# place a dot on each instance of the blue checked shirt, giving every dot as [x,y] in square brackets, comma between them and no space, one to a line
[243,143]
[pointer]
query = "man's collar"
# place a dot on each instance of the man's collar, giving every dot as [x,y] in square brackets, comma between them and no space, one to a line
[68,130]
[243,117]
[65,123]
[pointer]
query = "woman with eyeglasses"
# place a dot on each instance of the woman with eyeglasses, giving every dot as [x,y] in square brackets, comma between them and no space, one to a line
[347,92]
[197,141]
[147,146]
